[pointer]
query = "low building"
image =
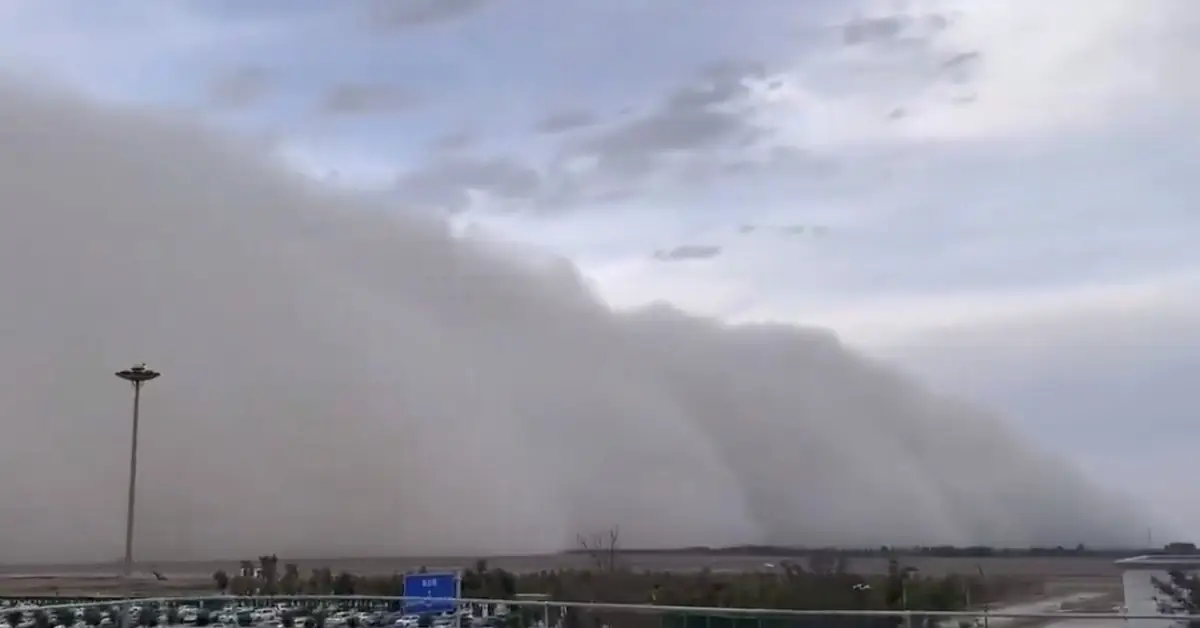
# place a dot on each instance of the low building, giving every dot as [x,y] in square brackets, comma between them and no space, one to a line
[1142,582]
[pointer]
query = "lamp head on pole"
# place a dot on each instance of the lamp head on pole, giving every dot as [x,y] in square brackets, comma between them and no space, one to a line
[137,374]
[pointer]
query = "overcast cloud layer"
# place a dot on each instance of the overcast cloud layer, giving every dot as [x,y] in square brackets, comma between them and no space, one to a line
[341,381]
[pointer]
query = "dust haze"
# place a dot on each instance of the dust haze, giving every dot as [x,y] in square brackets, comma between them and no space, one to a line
[339,380]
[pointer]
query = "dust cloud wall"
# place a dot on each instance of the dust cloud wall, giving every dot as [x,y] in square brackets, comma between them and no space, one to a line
[343,380]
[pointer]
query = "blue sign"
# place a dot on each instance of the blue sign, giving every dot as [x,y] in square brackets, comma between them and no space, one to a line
[439,592]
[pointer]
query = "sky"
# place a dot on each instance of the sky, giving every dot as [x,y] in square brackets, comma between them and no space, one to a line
[991,195]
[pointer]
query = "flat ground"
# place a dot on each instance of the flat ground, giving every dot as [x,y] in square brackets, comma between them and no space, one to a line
[1082,567]
[1061,574]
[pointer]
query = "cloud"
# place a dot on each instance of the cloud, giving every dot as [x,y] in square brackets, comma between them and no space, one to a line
[415,13]
[688,252]
[787,230]
[448,183]
[891,29]
[564,121]
[240,88]
[695,119]
[360,99]
[455,141]
[343,381]
[682,135]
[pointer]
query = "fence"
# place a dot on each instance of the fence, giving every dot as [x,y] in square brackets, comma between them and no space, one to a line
[319,609]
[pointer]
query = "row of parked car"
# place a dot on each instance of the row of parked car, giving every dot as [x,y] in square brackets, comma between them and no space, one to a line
[279,615]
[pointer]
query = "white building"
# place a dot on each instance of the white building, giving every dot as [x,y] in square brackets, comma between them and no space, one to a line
[1142,595]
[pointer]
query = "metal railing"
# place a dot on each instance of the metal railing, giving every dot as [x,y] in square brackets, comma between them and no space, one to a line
[551,613]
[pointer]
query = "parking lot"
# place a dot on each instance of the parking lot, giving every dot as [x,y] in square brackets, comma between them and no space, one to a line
[230,615]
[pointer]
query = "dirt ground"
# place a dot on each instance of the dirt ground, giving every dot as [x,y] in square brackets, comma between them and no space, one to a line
[1061,575]
[72,585]
[1081,567]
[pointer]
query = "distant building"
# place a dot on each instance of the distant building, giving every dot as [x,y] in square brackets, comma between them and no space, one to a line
[1143,596]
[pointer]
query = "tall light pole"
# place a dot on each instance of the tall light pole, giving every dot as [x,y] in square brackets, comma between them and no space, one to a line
[906,574]
[984,591]
[138,374]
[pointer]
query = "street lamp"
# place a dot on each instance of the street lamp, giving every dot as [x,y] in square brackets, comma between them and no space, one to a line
[983,587]
[906,574]
[137,375]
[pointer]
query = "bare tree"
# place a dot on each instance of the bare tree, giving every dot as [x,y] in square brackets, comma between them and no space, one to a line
[603,551]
